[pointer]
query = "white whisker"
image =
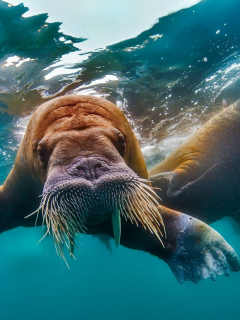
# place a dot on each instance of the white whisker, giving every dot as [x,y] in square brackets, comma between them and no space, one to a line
[65,210]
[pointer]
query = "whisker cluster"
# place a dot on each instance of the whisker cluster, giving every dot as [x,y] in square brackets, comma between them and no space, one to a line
[65,210]
[139,204]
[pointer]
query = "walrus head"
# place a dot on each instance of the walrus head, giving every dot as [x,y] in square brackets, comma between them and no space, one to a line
[86,155]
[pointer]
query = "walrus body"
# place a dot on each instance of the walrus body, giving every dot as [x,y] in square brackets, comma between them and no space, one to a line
[201,177]
[80,154]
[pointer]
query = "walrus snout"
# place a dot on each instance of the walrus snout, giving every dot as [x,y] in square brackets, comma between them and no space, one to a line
[93,189]
[89,168]
[91,173]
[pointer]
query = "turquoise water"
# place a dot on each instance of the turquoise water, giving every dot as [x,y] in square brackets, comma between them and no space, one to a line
[123,285]
[168,79]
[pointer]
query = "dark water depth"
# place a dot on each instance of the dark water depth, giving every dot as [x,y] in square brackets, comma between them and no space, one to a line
[168,80]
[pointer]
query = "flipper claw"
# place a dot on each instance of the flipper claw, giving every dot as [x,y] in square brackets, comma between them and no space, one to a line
[199,252]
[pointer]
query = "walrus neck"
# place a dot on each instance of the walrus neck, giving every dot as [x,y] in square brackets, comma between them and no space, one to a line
[19,196]
[5,214]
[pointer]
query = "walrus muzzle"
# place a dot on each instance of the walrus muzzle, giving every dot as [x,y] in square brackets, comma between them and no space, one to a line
[86,187]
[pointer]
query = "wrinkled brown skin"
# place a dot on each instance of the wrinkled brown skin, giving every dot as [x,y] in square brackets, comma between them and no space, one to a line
[204,170]
[55,121]
[84,125]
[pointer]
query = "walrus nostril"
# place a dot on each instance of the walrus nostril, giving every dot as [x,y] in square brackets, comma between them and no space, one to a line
[89,168]
[80,171]
[97,168]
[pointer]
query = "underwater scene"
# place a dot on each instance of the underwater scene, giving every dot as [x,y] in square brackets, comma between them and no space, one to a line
[170,67]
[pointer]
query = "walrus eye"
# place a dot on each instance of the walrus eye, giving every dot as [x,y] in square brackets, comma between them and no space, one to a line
[122,143]
[41,153]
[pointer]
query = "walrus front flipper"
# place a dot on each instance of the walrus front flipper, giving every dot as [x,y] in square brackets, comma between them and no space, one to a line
[195,251]
[208,197]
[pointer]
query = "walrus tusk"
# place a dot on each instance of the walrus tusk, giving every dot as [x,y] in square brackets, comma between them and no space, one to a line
[116,222]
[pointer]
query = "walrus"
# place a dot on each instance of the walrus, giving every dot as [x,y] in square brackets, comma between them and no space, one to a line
[80,169]
[201,176]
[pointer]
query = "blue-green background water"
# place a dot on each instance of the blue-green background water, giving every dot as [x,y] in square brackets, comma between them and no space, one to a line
[169,79]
